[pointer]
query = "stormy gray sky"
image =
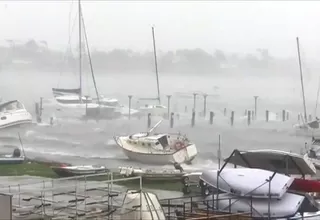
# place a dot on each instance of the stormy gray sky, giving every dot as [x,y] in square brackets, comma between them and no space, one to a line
[233,26]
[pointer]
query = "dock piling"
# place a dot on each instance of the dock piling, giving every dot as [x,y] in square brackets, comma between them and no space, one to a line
[211,117]
[232,118]
[193,119]
[149,120]
[171,120]
[130,98]
[267,115]
[249,117]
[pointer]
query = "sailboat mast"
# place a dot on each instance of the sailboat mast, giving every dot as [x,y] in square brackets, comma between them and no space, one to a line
[302,85]
[80,52]
[156,63]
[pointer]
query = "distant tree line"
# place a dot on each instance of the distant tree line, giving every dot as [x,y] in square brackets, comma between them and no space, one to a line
[38,55]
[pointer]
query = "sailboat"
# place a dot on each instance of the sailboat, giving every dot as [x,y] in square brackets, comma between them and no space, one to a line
[154,109]
[73,97]
[160,149]
[98,108]
[305,125]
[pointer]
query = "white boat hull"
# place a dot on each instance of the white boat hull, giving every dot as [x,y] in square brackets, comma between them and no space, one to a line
[15,119]
[155,158]
[143,155]
[275,160]
[285,207]
[248,182]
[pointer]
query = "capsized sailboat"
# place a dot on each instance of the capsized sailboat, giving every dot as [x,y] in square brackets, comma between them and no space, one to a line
[157,148]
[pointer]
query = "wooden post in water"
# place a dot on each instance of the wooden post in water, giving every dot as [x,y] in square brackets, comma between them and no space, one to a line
[205,105]
[298,117]
[171,120]
[211,117]
[37,110]
[267,115]
[255,106]
[283,115]
[225,111]
[232,118]
[310,117]
[169,97]
[130,98]
[149,120]
[193,119]
[41,107]
[249,117]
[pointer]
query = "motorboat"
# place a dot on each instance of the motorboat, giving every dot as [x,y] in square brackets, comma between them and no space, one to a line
[157,148]
[13,113]
[67,171]
[288,206]
[246,182]
[274,160]
[151,174]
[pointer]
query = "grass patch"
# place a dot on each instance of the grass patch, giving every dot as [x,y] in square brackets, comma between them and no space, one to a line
[43,169]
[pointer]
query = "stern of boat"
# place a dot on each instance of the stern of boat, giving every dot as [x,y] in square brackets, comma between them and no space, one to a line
[185,155]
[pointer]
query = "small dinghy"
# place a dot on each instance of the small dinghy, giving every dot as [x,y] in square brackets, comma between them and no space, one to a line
[248,182]
[15,158]
[286,207]
[67,171]
[148,174]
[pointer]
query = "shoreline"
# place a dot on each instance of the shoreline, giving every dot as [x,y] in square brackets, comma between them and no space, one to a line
[42,168]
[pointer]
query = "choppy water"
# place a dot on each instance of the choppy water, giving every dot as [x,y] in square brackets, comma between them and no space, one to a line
[80,142]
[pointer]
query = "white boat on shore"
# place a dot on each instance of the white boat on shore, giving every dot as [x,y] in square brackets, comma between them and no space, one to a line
[151,174]
[157,148]
[274,160]
[286,207]
[246,182]
[13,113]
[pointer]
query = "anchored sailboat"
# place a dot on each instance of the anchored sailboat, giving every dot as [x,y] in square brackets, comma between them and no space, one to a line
[151,108]
[305,124]
[97,108]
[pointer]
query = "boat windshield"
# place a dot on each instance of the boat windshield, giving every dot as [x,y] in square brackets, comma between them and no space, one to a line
[11,106]
[163,141]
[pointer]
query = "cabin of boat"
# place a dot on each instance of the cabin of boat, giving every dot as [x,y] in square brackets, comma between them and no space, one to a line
[158,141]
[11,106]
